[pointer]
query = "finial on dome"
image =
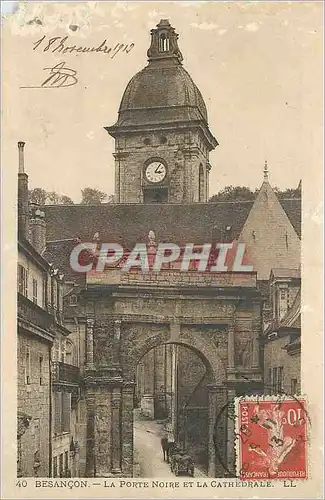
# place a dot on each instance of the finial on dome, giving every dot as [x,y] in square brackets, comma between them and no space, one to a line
[164,43]
[266,171]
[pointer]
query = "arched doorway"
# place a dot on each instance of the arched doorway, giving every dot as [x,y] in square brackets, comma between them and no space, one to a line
[171,401]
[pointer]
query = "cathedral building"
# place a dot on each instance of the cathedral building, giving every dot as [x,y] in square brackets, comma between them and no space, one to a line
[177,344]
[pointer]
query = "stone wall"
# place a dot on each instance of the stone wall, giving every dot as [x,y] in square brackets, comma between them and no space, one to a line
[275,356]
[33,399]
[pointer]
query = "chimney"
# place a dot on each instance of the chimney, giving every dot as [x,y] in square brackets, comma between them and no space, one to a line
[23,207]
[37,228]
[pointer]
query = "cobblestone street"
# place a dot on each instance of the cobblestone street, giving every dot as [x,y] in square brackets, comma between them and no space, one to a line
[148,452]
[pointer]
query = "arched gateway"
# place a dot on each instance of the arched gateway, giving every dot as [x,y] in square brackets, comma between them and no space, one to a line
[215,314]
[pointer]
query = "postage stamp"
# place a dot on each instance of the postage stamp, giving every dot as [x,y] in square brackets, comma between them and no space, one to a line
[272,438]
[162,229]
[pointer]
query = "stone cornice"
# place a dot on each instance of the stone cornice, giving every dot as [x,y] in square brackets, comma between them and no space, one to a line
[210,140]
[120,155]
[103,376]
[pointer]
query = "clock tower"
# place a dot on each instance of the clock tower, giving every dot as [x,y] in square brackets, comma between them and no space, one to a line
[162,137]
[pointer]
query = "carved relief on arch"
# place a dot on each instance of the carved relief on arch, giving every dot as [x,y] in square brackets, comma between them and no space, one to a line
[103,340]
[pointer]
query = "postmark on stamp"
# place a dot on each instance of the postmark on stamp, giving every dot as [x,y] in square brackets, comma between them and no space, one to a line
[272,437]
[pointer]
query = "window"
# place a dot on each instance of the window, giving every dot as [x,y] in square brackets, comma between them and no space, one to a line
[57,412]
[44,293]
[58,296]
[55,466]
[61,465]
[69,353]
[283,294]
[73,300]
[66,412]
[62,351]
[66,463]
[294,386]
[41,381]
[22,280]
[34,291]
[163,43]
[269,380]
[274,381]
[280,380]
[27,367]
[62,412]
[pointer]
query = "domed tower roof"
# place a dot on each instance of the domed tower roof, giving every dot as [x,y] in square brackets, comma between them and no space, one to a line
[163,92]
[164,86]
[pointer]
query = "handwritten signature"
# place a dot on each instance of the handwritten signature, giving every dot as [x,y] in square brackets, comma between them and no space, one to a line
[60,76]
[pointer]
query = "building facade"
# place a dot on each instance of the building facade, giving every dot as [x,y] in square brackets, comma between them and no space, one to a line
[40,289]
[282,334]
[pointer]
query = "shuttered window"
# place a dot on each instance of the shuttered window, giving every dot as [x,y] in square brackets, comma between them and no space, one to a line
[66,410]
[57,412]
[55,466]
[34,291]
[22,280]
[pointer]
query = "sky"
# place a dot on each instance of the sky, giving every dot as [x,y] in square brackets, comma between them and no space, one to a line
[258,66]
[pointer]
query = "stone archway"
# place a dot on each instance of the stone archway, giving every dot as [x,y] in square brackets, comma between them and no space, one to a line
[206,350]
[172,401]
[110,387]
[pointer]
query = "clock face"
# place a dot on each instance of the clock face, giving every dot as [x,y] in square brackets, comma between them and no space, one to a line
[156,171]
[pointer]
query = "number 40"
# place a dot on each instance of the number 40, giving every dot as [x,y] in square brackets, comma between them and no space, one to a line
[21,484]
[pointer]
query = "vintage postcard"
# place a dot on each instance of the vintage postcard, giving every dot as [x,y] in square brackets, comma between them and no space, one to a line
[162,272]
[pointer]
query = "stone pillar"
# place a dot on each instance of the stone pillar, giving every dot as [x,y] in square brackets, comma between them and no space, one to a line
[116,432]
[147,400]
[103,433]
[90,343]
[174,390]
[257,329]
[231,346]
[218,406]
[231,466]
[90,439]
[116,341]
[212,413]
[127,429]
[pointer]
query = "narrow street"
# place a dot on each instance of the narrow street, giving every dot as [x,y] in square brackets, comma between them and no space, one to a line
[148,452]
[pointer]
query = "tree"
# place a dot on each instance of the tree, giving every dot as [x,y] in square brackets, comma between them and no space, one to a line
[234,193]
[288,193]
[65,200]
[42,197]
[92,196]
[53,198]
[37,195]
[239,193]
